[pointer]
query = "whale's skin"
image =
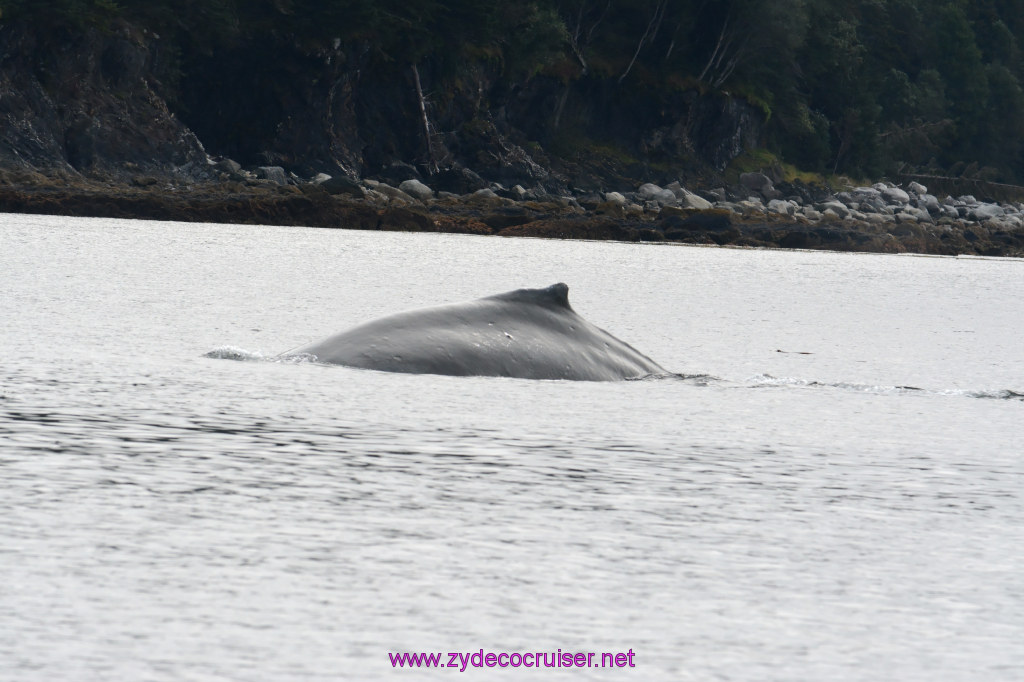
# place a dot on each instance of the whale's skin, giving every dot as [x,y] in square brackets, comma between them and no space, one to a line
[527,334]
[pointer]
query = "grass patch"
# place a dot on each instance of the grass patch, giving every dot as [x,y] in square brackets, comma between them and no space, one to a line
[764,161]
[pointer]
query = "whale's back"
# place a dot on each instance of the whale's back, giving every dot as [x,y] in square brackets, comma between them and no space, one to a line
[527,333]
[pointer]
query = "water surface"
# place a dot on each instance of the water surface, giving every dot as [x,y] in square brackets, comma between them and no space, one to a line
[835,493]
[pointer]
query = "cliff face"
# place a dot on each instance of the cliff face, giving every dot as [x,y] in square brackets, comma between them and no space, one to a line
[83,103]
[92,103]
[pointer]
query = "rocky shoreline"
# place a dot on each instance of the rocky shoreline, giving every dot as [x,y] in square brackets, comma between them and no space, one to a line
[756,212]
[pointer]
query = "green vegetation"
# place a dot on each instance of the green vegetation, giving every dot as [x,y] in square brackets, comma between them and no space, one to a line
[859,87]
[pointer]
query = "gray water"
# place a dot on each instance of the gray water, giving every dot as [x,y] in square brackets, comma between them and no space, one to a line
[849,508]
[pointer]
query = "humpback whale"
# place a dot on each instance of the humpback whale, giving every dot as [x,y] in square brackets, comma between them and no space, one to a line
[527,333]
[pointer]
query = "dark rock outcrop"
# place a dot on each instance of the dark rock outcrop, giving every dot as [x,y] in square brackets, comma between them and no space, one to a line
[75,102]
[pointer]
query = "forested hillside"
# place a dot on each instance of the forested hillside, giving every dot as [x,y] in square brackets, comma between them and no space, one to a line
[862,87]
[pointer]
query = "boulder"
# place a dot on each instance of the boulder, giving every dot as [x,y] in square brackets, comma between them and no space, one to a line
[342,184]
[781,207]
[750,207]
[756,182]
[394,193]
[691,200]
[615,198]
[648,191]
[930,203]
[275,174]
[983,212]
[665,197]
[458,181]
[398,172]
[917,188]
[417,189]
[894,195]
[838,208]
[228,166]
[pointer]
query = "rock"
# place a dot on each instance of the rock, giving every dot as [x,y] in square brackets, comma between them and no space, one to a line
[750,207]
[691,200]
[417,189]
[393,193]
[757,182]
[967,199]
[648,191]
[275,174]
[665,197]
[144,181]
[929,203]
[458,181]
[519,193]
[811,214]
[983,212]
[917,188]
[398,172]
[615,198]
[781,207]
[894,195]
[611,208]
[320,178]
[839,210]
[228,166]
[342,184]
[861,194]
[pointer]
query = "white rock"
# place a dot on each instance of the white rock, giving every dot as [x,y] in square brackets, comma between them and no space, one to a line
[781,206]
[648,191]
[838,209]
[691,200]
[929,203]
[666,197]
[749,207]
[984,212]
[615,198]
[894,195]
[917,188]
[395,194]
[417,189]
[811,214]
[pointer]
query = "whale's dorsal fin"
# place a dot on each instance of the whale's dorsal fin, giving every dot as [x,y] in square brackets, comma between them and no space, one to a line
[554,296]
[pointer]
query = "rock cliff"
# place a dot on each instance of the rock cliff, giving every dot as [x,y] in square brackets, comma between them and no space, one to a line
[114,102]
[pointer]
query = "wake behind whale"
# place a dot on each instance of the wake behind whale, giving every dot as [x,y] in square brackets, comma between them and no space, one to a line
[527,334]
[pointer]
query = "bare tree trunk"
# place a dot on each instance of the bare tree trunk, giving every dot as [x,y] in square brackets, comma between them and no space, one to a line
[432,166]
[580,38]
[652,30]
[561,106]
